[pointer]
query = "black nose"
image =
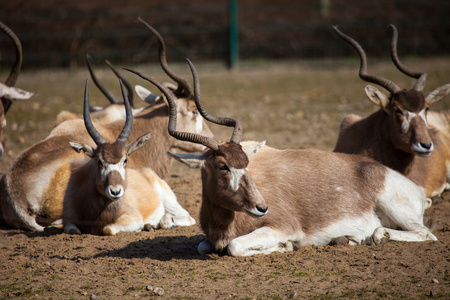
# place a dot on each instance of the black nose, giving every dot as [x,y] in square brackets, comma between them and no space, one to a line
[262,209]
[426,145]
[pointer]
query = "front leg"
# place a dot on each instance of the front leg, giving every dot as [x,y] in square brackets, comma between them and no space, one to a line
[126,223]
[263,240]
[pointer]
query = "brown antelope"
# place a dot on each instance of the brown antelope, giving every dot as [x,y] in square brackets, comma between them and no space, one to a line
[103,196]
[7,91]
[398,135]
[256,199]
[32,189]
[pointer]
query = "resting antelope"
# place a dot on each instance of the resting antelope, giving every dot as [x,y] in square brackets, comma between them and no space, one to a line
[103,196]
[398,135]
[32,190]
[257,199]
[7,91]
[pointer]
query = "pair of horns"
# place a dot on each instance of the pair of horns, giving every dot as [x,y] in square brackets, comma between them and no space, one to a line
[95,135]
[194,137]
[385,83]
[112,99]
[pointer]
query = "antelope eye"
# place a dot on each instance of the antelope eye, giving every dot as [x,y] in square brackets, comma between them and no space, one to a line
[125,161]
[223,167]
[100,164]
[398,112]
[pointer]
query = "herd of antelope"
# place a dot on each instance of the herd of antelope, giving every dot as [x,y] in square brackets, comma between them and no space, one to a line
[102,172]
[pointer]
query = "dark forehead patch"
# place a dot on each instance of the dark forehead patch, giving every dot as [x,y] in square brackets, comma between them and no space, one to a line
[411,100]
[234,155]
[112,153]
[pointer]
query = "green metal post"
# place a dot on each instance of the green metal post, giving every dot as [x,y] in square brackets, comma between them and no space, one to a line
[233,33]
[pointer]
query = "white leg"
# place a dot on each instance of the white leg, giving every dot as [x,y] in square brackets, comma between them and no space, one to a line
[402,206]
[263,240]
[124,223]
[383,234]
[175,214]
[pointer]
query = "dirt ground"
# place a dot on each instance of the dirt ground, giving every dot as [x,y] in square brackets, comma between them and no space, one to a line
[295,105]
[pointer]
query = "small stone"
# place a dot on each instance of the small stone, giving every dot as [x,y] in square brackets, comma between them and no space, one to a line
[149,288]
[93,297]
[435,280]
[158,291]
[293,295]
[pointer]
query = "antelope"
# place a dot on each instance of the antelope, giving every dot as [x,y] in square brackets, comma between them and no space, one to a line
[398,135]
[103,196]
[8,93]
[257,199]
[32,190]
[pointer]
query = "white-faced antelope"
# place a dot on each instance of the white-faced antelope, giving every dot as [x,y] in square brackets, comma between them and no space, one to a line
[103,196]
[32,189]
[256,199]
[397,135]
[7,91]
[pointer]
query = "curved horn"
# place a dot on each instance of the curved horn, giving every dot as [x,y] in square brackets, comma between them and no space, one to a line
[387,84]
[95,135]
[226,121]
[126,131]
[183,136]
[127,84]
[112,99]
[12,77]
[420,76]
[184,88]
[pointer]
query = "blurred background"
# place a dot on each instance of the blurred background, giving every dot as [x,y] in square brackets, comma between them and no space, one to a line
[58,33]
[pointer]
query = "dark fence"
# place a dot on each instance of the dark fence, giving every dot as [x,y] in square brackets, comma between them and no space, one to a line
[56,33]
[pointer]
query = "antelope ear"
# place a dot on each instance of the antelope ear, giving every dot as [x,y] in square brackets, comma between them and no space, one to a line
[138,144]
[251,148]
[13,93]
[437,94]
[194,161]
[145,95]
[378,98]
[88,150]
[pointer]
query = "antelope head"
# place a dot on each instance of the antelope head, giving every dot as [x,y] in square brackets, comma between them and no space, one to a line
[110,159]
[407,109]
[226,180]
[7,91]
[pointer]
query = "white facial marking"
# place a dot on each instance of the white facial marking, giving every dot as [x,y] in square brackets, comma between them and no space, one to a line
[199,123]
[236,175]
[108,168]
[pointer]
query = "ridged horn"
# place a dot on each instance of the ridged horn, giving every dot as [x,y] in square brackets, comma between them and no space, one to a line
[184,88]
[126,131]
[385,83]
[225,121]
[179,135]
[420,76]
[95,135]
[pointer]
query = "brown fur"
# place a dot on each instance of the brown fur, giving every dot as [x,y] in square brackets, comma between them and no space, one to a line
[54,151]
[373,137]
[293,194]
